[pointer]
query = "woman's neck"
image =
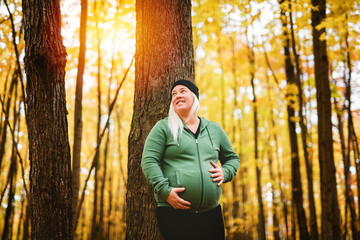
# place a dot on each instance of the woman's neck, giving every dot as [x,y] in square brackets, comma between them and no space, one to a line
[193,123]
[188,120]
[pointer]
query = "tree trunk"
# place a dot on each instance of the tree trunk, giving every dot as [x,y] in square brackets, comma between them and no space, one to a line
[110,209]
[313,223]
[26,232]
[102,222]
[349,195]
[351,136]
[164,54]
[21,217]
[78,112]
[276,228]
[261,215]
[222,80]
[49,150]
[293,221]
[235,121]
[103,185]
[5,126]
[330,219]
[95,226]
[17,51]
[12,182]
[292,104]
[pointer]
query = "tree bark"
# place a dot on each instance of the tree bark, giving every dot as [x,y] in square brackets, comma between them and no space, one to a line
[330,215]
[49,150]
[164,54]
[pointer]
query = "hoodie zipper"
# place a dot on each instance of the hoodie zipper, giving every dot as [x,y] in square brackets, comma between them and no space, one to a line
[201,175]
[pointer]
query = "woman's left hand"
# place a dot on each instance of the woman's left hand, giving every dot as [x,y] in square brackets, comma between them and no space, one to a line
[218,175]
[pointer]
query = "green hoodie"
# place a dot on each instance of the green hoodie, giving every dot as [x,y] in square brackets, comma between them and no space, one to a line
[186,163]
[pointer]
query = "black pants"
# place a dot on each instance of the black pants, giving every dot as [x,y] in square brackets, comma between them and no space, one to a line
[178,224]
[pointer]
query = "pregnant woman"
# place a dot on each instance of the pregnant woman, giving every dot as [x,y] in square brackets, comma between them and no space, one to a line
[180,160]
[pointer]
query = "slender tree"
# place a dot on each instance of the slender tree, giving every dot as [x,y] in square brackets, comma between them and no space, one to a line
[164,53]
[78,110]
[95,225]
[304,132]
[261,214]
[292,106]
[8,223]
[275,218]
[330,215]
[351,139]
[349,195]
[46,116]
[5,126]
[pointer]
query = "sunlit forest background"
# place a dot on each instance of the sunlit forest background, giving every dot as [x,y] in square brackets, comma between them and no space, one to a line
[240,70]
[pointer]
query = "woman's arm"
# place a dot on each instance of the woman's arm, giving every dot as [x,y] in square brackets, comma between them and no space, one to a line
[230,161]
[151,160]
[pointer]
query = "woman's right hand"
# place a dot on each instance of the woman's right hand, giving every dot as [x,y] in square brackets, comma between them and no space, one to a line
[177,202]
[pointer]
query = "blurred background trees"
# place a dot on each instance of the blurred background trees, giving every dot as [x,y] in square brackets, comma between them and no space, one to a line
[257,68]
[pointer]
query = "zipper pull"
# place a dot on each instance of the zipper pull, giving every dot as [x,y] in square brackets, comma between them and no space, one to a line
[196,140]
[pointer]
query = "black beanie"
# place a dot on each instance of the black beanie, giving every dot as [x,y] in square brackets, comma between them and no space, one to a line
[190,85]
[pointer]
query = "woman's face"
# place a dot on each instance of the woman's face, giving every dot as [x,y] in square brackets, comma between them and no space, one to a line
[182,100]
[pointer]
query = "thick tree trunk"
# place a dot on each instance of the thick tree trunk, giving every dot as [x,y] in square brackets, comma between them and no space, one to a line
[49,150]
[78,112]
[164,53]
[330,215]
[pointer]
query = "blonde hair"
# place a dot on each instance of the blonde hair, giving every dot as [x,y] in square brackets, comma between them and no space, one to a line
[174,121]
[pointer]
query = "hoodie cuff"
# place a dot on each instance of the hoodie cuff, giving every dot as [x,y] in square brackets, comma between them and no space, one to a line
[164,193]
[226,175]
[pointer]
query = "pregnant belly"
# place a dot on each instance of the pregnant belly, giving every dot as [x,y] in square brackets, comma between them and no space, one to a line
[200,190]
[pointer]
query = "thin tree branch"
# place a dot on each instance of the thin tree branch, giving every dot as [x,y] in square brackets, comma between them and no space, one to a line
[16,147]
[17,53]
[268,63]
[4,20]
